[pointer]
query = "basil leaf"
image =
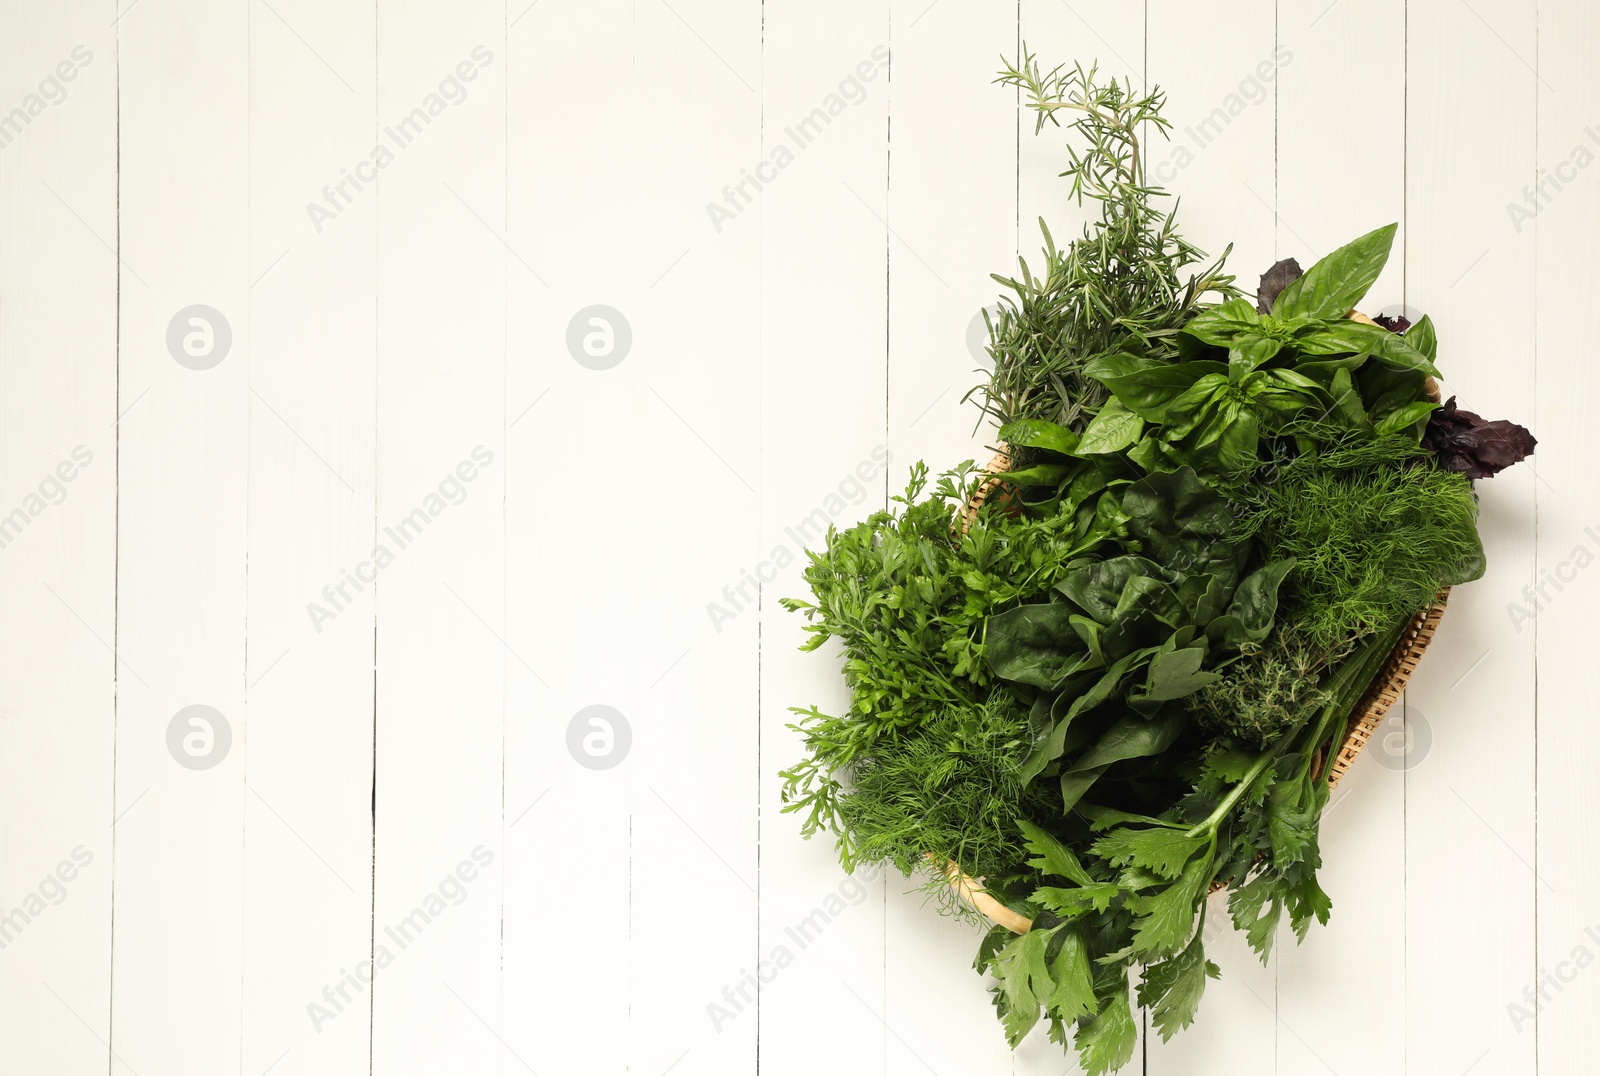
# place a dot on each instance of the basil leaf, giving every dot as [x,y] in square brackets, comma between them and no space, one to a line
[1359,338]
[1145,389]
[1424,338]
[1249,352]
[1042,474]
[1274,280]
[1329,339]
[1037,433]
[1397,351]
[1113,429]
[1406,416]
[1195,405]
[1220,324]
[1321,371]
[1347,402]
[1332,287]
[1231,441]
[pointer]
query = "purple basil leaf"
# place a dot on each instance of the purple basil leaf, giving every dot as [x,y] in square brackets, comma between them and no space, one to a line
[1274,280]
[1470,445]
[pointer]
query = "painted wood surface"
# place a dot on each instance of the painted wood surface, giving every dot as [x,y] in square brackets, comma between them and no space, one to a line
[413,414]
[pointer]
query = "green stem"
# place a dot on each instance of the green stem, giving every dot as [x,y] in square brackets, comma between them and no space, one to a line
[1349,682]
[1269,756]
[1113,121]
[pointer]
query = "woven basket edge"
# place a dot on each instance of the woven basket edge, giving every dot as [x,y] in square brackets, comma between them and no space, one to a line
[1386,687]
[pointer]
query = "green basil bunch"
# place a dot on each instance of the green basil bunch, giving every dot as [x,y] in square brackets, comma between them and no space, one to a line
[1243,375]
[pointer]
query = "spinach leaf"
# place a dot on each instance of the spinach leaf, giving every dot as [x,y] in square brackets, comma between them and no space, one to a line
[1172,675]
[1255,603]
[1035,645]
[1219,324]
[1129,738]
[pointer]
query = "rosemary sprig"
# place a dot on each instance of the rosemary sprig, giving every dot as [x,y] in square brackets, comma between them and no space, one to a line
[1120,286]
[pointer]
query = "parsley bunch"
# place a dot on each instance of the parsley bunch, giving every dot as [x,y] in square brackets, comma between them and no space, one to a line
[932,746]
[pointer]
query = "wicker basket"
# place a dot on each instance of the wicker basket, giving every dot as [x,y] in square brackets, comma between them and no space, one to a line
[1368,714]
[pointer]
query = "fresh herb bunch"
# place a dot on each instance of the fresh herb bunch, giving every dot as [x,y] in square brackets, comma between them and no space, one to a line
[1266,691]
[908,599]
[1122,285]
[1376,530]
[1116,686]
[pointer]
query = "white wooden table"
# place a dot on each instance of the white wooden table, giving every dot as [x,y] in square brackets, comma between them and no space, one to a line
[399,383]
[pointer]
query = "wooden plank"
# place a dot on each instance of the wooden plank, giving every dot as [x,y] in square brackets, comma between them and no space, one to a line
[568,219]
[309,685]
[58,332]
[1220,163]
[656,298]
[566,183]
[1557,625]
[1325,200]
[823,363]
[441,660]
[184,343]
[945,58]
[1470,802]
[696,789]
